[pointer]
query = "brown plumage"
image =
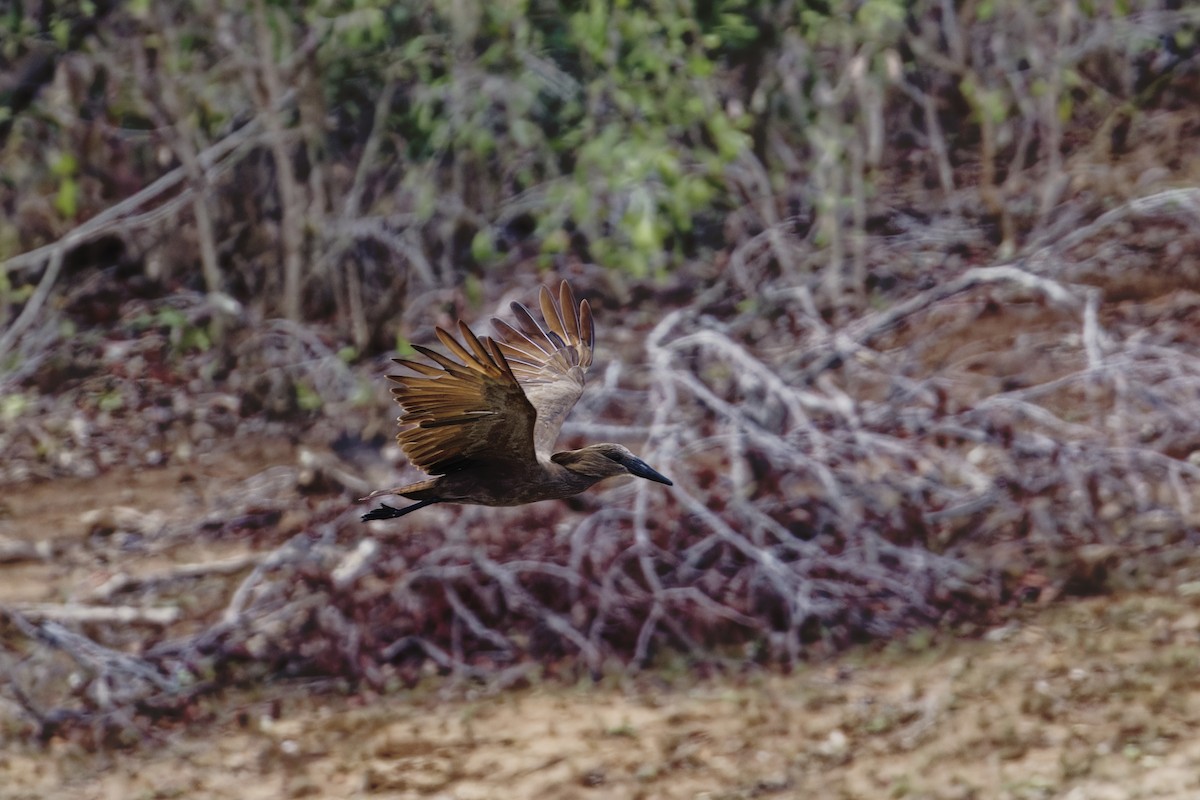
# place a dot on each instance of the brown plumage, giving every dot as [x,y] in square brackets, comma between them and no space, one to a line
[485,424]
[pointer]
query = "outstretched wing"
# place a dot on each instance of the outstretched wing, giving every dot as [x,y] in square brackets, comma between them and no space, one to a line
[472,409]
[549,361]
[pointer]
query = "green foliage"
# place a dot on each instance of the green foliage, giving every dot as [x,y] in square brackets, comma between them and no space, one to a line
[14,405]
[404,347]
[64,166]
[473,289]
[607,113]
[989,105]
[307,398]
[110,401]
[650,154]
[182,334]
[483,247]
[9,293]
[618,132]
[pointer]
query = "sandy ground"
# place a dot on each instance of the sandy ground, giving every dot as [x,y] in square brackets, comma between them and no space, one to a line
[1086,699]
[1093,700]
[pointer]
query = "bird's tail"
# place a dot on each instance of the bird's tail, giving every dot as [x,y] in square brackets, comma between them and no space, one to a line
[421,490]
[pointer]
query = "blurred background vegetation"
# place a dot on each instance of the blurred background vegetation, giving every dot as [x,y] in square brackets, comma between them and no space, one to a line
[323,161]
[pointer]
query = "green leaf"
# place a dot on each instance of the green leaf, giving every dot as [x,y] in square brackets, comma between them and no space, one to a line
[404,347]
[110,401]
[557,242]
[1065,107]
[306,398]
[473,289]
[13,406]
[60,29]
[66,202]
[195,338]
[483,249]
[171,318]
[64,165]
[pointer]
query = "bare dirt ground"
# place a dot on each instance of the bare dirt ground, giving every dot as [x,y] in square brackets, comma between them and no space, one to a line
[1095,699]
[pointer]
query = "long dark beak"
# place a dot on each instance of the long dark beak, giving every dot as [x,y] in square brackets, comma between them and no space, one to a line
[636,466]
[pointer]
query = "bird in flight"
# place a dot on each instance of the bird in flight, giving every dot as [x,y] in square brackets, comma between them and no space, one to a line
[485,425]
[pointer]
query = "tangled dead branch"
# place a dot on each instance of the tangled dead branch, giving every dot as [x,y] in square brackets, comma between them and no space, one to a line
[911,478]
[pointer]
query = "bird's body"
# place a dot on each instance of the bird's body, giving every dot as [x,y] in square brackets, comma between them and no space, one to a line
[485,425]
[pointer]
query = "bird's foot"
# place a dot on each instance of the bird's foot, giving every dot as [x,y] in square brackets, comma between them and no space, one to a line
[383,512]
[387,512]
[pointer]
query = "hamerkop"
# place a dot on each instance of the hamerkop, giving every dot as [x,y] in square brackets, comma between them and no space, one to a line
[485,425]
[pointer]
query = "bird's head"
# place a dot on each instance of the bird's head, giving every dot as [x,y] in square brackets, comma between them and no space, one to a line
[607,460]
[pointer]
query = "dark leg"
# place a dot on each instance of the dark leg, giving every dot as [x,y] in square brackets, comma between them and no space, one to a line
[387,512]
